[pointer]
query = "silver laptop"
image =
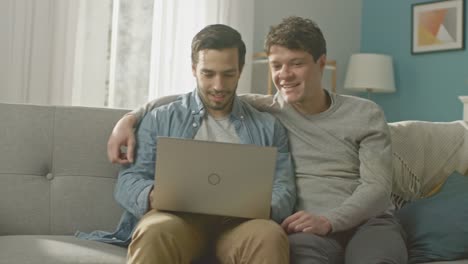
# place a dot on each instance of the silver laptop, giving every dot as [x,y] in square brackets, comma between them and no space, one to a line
[214,178]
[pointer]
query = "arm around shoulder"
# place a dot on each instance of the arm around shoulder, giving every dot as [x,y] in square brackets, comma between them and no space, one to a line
[140,112]
[260,102]
[123,135]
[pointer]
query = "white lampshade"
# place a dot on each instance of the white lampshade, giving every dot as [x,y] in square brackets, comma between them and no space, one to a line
[371,73]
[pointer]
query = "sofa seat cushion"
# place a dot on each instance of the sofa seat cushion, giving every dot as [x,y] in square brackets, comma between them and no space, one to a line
[58,250]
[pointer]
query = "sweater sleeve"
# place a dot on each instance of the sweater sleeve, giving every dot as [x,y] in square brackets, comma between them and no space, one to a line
[140,112]
[261,102]
[372,196]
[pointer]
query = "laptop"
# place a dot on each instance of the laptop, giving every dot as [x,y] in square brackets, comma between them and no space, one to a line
[214,178]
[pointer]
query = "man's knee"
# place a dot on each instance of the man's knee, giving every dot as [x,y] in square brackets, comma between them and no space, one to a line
[272,243]
[388,251]
[254,241]
[262,235]
[380,240]
[306,240]
[158,224]
[269,232]
[163,238]
[310,248]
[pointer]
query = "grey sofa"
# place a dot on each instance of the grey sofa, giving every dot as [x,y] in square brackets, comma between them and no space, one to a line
[54,180]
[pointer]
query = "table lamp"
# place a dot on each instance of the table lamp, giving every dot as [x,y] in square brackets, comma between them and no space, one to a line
[370,73]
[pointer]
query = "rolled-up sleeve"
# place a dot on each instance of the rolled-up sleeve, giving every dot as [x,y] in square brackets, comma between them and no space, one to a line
[284,184]
[136,180]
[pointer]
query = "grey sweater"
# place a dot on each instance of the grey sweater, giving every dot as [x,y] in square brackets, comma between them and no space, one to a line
[342,157]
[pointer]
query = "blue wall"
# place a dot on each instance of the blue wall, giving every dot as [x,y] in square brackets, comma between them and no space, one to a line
[428,84]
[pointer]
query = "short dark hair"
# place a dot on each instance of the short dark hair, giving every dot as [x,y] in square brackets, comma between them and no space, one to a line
[297,33]
[218,37]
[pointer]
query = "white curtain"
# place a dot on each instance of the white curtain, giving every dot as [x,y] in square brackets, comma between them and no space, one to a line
[36,58]
[54,52]
[175,22]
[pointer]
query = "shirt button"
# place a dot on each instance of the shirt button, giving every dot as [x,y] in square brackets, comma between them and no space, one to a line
[194,125]
[241,117]
[49,176]
[193,111]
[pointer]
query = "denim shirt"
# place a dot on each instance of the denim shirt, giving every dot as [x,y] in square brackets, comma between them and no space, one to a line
[182,118]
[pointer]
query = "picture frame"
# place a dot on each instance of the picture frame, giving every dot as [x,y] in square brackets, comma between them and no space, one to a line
[438,26]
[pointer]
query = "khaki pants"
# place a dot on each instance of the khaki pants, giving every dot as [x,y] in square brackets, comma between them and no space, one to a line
[182,237]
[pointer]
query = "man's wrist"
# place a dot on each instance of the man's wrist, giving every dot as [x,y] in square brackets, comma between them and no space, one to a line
[327,224]
[129,119]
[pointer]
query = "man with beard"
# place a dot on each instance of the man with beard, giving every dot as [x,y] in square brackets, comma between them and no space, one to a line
[211,112]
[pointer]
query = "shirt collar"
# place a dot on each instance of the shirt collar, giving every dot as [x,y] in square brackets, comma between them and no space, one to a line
[197,106]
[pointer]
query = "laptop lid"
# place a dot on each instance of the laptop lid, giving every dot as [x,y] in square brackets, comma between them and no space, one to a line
[214,178]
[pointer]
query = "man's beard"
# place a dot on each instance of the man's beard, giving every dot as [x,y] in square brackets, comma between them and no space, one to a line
[228,95]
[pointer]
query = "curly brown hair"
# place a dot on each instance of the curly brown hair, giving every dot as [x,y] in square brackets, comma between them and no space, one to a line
[297,33]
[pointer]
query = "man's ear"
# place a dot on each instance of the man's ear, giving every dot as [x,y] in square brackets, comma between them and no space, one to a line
[322,61]
[194,70]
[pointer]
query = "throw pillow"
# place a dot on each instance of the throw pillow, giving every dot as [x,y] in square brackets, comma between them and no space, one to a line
[437,226]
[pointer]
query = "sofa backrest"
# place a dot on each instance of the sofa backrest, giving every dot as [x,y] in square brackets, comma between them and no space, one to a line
[54,173]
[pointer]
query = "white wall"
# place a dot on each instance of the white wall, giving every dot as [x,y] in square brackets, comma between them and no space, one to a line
[339,20]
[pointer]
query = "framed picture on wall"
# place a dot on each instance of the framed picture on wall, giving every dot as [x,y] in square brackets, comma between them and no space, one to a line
[438,26]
